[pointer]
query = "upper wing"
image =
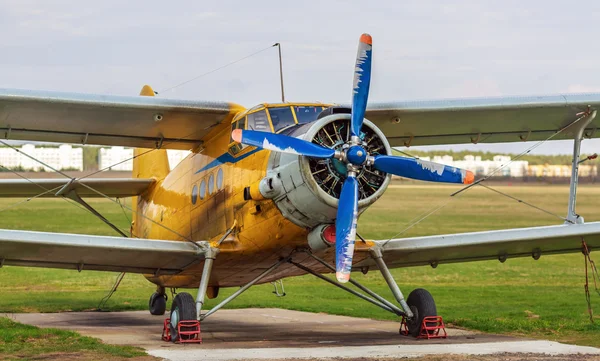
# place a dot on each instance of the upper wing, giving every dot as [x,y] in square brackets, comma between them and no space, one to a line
[112,187]
[484,120]
[487,245]
[146,122]
[99,253]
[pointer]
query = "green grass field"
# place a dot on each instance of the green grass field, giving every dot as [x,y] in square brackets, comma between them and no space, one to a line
[542,298]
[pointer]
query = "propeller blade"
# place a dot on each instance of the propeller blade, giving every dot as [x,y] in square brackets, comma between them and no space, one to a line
[281,143]
[345,228]
[422,170]
[362,81]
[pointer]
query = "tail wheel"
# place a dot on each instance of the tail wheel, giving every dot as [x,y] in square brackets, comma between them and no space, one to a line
[422,305]
[183,309]
[157,304]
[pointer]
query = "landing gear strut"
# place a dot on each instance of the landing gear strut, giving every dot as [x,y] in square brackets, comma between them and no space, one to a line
[158,302]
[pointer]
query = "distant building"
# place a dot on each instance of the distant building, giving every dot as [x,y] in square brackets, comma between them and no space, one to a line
[63,157]
[553,170]
[121,159]
[115,158]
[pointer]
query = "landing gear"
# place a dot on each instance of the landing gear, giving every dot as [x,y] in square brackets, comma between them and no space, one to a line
[183,309]
[158,302]
[422,305]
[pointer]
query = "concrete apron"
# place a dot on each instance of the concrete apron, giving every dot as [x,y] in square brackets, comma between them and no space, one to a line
[282,334]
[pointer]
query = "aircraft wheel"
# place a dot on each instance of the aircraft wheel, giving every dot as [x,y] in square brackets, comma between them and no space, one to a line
[157,304]
[422,305]
[182,309]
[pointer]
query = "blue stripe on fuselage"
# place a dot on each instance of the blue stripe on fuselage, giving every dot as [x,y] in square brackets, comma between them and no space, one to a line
[226,158]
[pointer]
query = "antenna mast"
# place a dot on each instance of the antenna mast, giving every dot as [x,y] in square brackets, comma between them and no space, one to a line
[280,72]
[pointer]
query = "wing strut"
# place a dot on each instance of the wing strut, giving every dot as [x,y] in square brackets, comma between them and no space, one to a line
[69,191]
[389,279]
[579,130]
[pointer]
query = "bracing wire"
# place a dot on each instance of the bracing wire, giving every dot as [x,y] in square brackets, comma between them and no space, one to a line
[105,299]
[30,198]
[143,215]
[454,195]
[523,153]
[526,203]
[217,69]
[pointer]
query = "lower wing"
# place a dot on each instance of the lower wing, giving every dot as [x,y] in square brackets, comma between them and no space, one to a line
[98,253]
[476,246]
[87,187]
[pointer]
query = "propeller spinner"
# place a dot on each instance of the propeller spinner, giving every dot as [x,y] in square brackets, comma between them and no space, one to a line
[354,156]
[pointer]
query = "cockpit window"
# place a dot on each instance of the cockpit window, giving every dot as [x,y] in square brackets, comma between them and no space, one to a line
[281,117]
[307,114]
[259,121]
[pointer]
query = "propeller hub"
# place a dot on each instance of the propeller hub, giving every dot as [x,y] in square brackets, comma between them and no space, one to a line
[356,155]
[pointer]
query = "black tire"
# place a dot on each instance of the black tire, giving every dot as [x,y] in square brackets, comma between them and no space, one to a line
[182,309]
[422,305]
[157,304]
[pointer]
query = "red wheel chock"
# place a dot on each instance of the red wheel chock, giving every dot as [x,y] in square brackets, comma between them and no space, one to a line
[192,335]
[430,328]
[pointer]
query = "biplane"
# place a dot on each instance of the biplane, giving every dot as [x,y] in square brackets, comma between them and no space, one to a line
[275,191]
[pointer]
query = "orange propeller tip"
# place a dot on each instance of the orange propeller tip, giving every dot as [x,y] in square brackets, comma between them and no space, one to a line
[342,277]
[469,177]
[366,38]
[237,135]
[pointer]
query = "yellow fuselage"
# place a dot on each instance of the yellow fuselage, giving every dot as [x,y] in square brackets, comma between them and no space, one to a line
[203,197]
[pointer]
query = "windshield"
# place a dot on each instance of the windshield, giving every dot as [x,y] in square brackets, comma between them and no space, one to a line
[307,114]
[259,121]
[281,117]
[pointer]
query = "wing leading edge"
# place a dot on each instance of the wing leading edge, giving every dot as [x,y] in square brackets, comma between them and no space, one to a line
[477,246]
[98,253]
[144,122]
[111,187]
[481,120]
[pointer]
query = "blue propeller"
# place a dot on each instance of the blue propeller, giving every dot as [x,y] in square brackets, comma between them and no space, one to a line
[281,143]
[355,157]
[422,170]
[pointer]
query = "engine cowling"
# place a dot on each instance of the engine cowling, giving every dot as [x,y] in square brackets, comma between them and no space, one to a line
[310,188]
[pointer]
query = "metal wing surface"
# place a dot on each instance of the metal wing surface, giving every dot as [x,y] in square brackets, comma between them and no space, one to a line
[476,246]
[145,122]
[481,120]
[112,187]
[99,253]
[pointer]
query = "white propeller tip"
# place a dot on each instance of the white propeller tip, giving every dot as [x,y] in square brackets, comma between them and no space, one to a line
[342,277]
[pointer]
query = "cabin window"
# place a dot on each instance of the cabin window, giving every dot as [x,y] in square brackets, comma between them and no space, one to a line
[194,194]
[202,189]
[281,117]
[259,121]
[307,114]
[211,184]
[220,179]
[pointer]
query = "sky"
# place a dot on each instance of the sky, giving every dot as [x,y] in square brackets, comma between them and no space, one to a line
[422,50]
